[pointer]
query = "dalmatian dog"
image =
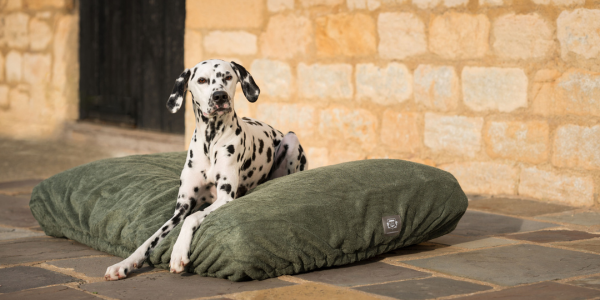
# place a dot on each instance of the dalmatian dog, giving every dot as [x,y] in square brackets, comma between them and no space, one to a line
[227,157]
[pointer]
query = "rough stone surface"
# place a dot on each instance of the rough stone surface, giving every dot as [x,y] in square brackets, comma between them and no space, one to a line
[551,236]
[299,118]
[22,278]
[41,249]
[58,292]
[543,91]
[286,36]
[357,126]
[14,66]
[15,212]
[457,135]
[4,103]
[424,249]
[401,35]
[311,3]
[545,290]
[485,243]
[279,5]
[587,218]
[470,225]
[225,14]
[36,68]
[40,34]
[390,85]
[8,233]
[436,87]
[41,4]
[514,265]
[591,282]
[91,266]
[1,67]
[455,3]
[15,30]
[485,177]
[427,288]
[517,207]
[578,92]
[426,4]
[345,34]
[577,146]
[522,141]
[313,291]
[559,187]
[502,89]
[325,81]
[273,77]
[400,131]
[192,48]
[341,156]
[317,157]
[522,37]
[483,3]
[592,245]
[65,63]
[230,42]
[459,36]
[578,32]
[363,4]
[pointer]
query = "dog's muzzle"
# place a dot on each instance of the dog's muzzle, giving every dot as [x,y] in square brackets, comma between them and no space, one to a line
[220,102]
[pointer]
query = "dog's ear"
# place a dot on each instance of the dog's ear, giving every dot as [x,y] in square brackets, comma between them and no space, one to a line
[179,90]
[251,90]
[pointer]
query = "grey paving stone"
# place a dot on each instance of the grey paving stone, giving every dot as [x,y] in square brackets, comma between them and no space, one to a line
[41,249]
[475,223]
[362,273]
[592,245]
[514,265]
[549,236]
[18,187]
[424,249]
[9,233]
[587,218]
[541,291]
[487,242]
[92,266]
[50,293]
[14,211]
[424,289]
[451,239]
[516,207]
[173,286]
[22,278]
[590,282]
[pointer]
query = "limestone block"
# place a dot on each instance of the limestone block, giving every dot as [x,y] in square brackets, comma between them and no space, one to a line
[36,68]
[317,157]
[286,36]
[230,42]
[455,3]
[400,35]
[577,146]
[14,66]
[1,67]
[311,3]
[400,131]
[455,135]
[342,156]
[363,4]
[273,77]
[485,177]
[15,30]
[459,35]
[491,3]
[521,141]
[4,102]
[502,89]
[345,34]
[543,90]
[556,186]
[224,14]
[40,34]
[578,92]
[426,4]
[578,32]
[301,119]
[65,67]
[436,87]
[41,4]
[192,48]
[390,85]
[355,126]
[325,81]
[11,5]
[560,2]
[279,5]
[522,37]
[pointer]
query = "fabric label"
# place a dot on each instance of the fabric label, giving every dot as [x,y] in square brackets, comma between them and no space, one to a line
[391,224]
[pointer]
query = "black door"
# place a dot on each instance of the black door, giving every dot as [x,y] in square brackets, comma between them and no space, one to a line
[131,52]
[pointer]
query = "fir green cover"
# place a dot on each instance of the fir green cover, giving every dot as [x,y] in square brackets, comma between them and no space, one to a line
[325,217]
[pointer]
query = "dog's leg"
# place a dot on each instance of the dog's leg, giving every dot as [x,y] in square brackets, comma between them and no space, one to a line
[289,157]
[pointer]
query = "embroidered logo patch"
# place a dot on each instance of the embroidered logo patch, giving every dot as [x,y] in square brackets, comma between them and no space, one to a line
[391,224]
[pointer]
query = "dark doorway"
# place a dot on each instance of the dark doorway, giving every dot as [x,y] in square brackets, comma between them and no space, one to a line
[131,52]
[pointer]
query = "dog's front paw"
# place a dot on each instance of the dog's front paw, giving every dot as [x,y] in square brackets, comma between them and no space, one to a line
[179,259]
[120,270]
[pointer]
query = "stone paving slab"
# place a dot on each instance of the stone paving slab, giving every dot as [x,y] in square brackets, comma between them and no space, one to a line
[452,239]
[425,249]
[542,291]
[424,288]
[484,243]
[22,278]
[549,236]
[590,282]
[93,266]
[592,245]
[41,249]
[474,223]
[516,207]
[362,273]
[586,218]
[49,293]
[176,286]
[14,211]
[514,264]
[19,187]
[308,291]
[9,233]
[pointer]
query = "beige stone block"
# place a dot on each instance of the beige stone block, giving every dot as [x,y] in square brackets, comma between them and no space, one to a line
[325,81]
[40,34]
[15,30]
[11,5]
[19,103]
[4,102]
[14,66]
[436,87]
[311,3]
[242,105]
[230,42]
[37,68]
[192,48]
[521,141]
[484,177]
[578,32]
[455,3]
[355,126]
[560,2]
[317,157]
[342,156]
[65,67]
[459,35]
[454,135]
[279,5]
[578,92]
[544,100]
[273,77]
[298,118]
[502,89]
[522,37]
[401,35]
[390,85]
[363,4]
[400,131]
[426,4]
[557,187]
[41,4]
[392,2]
[577,146]
[491,3]
[1,67]
[345,34]
[224,14]
[286,36]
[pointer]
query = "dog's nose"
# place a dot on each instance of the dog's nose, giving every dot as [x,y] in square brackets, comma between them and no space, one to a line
[220,97]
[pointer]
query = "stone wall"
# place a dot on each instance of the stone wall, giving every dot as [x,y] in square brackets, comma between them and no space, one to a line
[504,94]
[39,67]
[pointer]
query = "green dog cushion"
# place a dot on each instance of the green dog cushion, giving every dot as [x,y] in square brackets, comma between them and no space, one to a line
[325,217]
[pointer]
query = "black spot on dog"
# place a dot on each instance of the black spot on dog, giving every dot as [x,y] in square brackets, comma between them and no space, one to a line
[262,179]
[260,169]
[250,174]
[276,142]
[246,164]
[261,145]
[230,149]
[165,228]
[216,65]
[218,176]
[191,153]
[196,189]
[226,187]
[241,191]
[269,154]
[232,195]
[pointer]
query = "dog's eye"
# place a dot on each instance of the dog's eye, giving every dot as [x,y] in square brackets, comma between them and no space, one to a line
[228,77]
[201,80]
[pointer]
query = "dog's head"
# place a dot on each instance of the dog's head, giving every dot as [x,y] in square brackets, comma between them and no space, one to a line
[212,84]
